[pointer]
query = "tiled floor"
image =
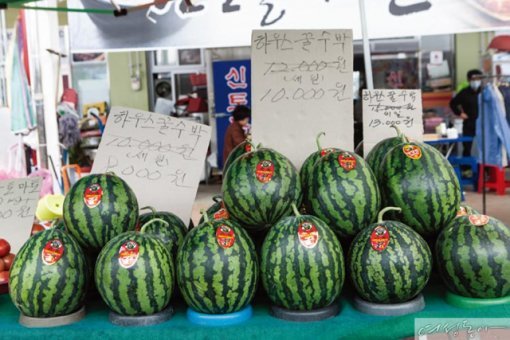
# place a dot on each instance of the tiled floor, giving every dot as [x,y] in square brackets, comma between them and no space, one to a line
[497,206]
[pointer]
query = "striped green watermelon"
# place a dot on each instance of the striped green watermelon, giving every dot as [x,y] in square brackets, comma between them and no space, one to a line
[217,268]
[168,227]
[473,257]
[389,262]
[259,189]
[216,211]
[309,163]
[302,264]
[49,275]
[344,193]
[376,156]
[135,273]
[238,151]
[420,180]
[98,208]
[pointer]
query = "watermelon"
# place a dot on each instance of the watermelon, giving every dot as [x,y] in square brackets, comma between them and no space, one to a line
[376,156]
[389,262]
[167,226]
[420,180]
[135,273]
[344,193]
[217,268]
[302,264]
[216,211]
[98,208]
[49,275]
[473,257]
[238,151]
[309,163]
[259,189]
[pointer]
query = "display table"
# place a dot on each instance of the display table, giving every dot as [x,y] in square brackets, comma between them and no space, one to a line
[448,143]
[348,324]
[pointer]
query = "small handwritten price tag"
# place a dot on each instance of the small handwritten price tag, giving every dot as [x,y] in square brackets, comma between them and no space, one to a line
[160,157]
[384,108]
[18,202]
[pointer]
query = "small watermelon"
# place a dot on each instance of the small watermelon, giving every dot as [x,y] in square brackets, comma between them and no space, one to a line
[376,156]
[302,265]
[167,226]
[344,193]
[420,180]
[473,257]
[217,268]
[389,262]
[49,275]
[216,211]
[259,189]
[135,273]
[309,163]
[98,208]
[237,152]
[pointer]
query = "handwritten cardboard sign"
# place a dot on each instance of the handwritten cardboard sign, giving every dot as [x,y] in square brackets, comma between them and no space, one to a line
[18,202]
[160,157]
[384,108]
[302,85]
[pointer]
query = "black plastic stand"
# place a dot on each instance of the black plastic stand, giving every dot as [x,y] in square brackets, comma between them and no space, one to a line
[415,305]
[306,316]
[145,320]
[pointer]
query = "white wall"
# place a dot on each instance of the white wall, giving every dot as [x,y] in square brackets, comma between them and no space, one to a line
[7,138]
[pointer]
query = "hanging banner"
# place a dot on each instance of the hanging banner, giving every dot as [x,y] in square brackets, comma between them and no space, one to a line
[302,85]
[224,23]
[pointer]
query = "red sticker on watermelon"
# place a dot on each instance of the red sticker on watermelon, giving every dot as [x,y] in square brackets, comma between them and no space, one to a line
[93,195]
[221,214]
[264,171]
[324,152]
[52,252]
[128,254]
[380,238]
[412,151]
[479,220]
[308,235]
[247,147]
[225,236]
[347,161]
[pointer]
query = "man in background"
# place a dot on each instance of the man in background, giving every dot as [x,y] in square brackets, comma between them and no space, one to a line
[235,134]
[465,106]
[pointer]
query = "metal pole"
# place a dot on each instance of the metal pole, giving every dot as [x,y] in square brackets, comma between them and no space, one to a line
[366,46]
[484,194]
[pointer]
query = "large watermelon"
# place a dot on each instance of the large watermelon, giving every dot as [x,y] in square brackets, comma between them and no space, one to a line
[309,163]
[344,193]
[217,268]
[135,274]
[259,189]
[417,178]
[302,265]
[216,211]
[473,257]
[167,226]
[238,151]
[98,208]
[376,156]
[49,276]
[389,262]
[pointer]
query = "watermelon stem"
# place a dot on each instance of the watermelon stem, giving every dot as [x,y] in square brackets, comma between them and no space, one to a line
[399,133]
[142,230]
[318,140]
[151,209]
[204,214]
[384,211]
[296,210]
[217,198]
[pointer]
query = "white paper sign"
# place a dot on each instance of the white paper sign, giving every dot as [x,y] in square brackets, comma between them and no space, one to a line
[302,85]
[160,157]
[384,108]
[18,202]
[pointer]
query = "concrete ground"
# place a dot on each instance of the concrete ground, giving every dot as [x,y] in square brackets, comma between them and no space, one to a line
[497,206]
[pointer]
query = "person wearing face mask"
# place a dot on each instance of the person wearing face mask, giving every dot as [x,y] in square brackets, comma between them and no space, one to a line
[465,106]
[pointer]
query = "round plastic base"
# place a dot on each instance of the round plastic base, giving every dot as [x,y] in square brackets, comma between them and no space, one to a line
[145,320]
[57,321]
[216,320]
[415,305]
[306,316]
[468,302]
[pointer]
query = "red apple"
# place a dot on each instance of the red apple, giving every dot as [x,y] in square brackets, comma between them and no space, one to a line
[7,260]
[5,247]
[4,277]
[2,265]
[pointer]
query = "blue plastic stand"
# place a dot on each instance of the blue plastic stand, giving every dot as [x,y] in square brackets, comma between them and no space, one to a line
[220,320]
